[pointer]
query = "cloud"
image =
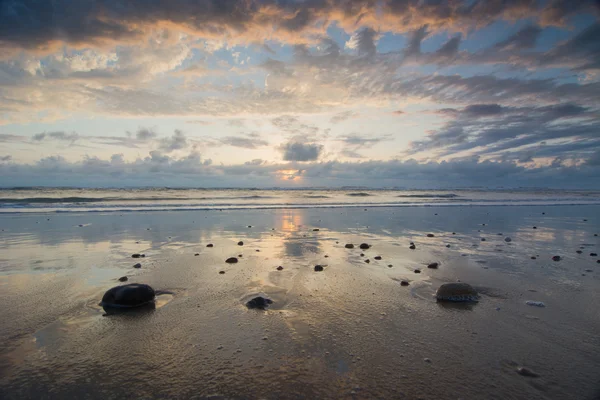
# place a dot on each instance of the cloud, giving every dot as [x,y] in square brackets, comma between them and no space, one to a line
[525,38]
[362,141]
[343,116]
[28,24]
[160,169]
[176,142]
[5,158]
[59,135]
[243,142]
[294,151]
[145,134]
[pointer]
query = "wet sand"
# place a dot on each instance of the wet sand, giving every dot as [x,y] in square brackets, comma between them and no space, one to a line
[350,331]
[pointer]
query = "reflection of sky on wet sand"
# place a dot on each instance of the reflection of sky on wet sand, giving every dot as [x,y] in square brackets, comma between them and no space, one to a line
[348,324]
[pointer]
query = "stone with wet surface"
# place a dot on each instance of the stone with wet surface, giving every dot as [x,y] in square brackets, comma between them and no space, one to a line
[259,303]
[456,292]
[127,296]
[231,260]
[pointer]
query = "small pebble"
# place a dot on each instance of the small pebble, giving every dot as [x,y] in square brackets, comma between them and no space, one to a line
[404,283]
[433,265]
[138,265]
[318,268]
[412,247]
[390,265]
[507,239]
[197,254]
[231,260]
[593,255]
[279,268]
[240,243]
[349,246]
[527,372]
[221,272]
[417,271]
[123,279]
[367,261]
[377,257]
[535,303]
[556,258]
[427,360]
[209,245]
[430,235]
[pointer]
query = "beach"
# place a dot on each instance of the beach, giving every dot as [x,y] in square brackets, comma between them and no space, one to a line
[350,331]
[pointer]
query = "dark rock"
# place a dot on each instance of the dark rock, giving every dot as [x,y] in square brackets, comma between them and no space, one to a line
[316,230]
[556,258]
[595,234]
[543,213]
[390,265]
[349,246]
[412,247]
[593,255]
[456,292]
[126,296]
[578,251]
[598,261]
[259,303]
[326,256]
[404,283]
[433,265]
[240,243]
[249,226]
[448,246]
[454,233]
[507,239]
[535,227]
[430,235]
[483,239]
[221,272]
[257,250]
[362,254]
[377,258]
[123,279]
[240,255]
[527,372]
[196,255]
[364,246]
[210,245]
[279,268]
[231,260]
[589,270]
[533,258]
[367,261]
[138,265]
[136,255]
[318,268]
[417,271]
[585,220]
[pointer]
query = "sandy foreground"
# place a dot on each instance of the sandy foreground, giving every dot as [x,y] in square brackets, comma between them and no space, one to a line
[350,331]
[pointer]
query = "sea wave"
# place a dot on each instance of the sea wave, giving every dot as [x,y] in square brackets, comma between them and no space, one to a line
[429,196]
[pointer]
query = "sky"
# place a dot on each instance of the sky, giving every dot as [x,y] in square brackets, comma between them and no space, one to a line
[291,93]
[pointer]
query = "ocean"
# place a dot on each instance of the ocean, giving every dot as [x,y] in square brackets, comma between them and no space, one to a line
[20,200]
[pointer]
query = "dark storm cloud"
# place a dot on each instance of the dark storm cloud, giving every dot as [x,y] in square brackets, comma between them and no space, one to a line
[295,151]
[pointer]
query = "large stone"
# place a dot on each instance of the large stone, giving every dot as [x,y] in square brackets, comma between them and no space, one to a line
[231,260]
[456,291]
[127,296]
[364,246]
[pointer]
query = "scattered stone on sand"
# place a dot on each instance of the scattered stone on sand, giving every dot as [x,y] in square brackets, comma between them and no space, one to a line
[196,254]
[240,243]
[136,255]
[221,272]
[127,296]
[417,271]
[448,246]
[349,246]
[483,239]
[593,255]
[138,265]
[259,303]
[364,246]
[279,268]
[80,225]
[456,292]
[412,247]
[556,258]
[367,261]
[578,251]
[433,265]
[390,265]
[598,261]
[326,256]
[318,268]
[316,230]
[427,360]
[430,235]
[585,220]
[589,270]
[535,227]
[535,303]
[454,233]
[507,239]
[123,279]
[249,226]
[543,213]
[240,255]
[377,258]
[527,372]
[231,260]
[362,254]
[210,245]
[257,250]
[595,234]
[404,283]
[533,257]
